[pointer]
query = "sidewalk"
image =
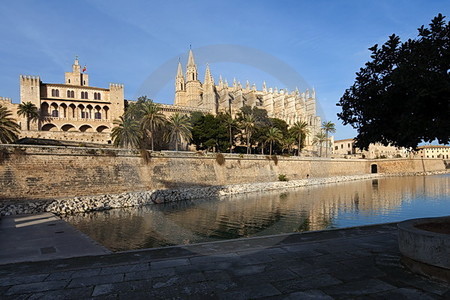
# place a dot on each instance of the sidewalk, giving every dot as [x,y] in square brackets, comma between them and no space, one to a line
[357,263]
[42,237]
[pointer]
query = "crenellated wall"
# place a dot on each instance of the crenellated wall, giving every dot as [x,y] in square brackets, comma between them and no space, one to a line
[33,172]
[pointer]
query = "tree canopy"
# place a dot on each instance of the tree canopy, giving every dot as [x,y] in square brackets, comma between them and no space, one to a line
[402,94]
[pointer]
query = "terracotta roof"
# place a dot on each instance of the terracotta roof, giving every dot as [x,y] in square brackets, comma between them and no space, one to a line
[344,140]
[433,146]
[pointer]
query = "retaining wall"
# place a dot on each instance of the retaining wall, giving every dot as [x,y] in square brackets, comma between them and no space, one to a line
[41,172]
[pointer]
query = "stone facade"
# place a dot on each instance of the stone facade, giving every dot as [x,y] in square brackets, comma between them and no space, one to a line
[32,172]
[288,106]
[346,148]
[72,110]
[433,151]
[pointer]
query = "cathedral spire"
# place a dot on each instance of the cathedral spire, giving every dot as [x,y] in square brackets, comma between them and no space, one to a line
[180,70]
[208,77]
[191,68]
[179,80]
[191,61]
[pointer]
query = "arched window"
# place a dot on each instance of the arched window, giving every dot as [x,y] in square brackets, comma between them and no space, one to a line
[54,113]
[72,94]
[53,93]
[68,80]
[57,93]
[82,95]
[99,96]
[97,113]
[106,110]
[72,110]
[68,94]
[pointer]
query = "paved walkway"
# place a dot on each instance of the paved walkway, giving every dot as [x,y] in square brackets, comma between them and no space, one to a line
[356,263]
[42,237]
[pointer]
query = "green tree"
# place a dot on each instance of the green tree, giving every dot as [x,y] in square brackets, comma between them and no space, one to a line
[231,125]
[274,135]
[287,143]
[248,126]
[179,128]
[402,94]
[299,130]
[328,127]
[127,132]
[30,111]
[9,129]
[152,118]
[319,139]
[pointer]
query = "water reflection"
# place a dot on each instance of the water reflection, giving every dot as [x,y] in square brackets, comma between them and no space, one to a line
[258,214]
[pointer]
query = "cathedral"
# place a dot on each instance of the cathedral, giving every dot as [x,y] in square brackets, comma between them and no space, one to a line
[288,106]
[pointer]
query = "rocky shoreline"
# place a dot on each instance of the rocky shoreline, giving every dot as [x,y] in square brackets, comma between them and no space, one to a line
[83,204]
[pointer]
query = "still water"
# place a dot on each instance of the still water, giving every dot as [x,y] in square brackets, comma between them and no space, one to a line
[303,209]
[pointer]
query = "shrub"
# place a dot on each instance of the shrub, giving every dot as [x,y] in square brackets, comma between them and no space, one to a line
[4,155]
[282,177]
[146,155]
[220,159]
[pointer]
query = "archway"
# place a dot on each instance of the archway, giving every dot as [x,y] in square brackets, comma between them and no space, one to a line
[68,127]
[374,168]
[49,127]
[102,128]
[86,128]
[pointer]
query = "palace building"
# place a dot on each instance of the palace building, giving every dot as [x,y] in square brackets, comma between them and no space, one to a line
[72,111]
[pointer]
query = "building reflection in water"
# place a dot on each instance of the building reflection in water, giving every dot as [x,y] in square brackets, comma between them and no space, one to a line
[258,214]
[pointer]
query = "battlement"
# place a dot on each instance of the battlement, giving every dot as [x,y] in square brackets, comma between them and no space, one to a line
[30,78]
[116,86]
[6,99]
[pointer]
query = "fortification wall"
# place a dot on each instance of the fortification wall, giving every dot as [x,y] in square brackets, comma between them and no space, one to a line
[89,137]
[41,172]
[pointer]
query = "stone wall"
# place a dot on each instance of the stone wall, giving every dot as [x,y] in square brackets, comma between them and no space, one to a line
[45,172]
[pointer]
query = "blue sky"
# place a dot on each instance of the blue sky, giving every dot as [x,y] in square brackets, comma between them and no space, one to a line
[318,44]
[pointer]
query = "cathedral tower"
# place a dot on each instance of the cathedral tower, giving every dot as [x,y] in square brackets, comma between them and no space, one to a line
[180,87]
[209,92]
[193,85]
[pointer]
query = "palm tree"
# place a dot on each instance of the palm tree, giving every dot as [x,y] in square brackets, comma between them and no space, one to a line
[273,135]
[328,127]
[30,111]
[300,130]
[179,128]
[287,143]
[127,133]
[248,124]
[9,129]
[319,138]
[152,118]
[230,123]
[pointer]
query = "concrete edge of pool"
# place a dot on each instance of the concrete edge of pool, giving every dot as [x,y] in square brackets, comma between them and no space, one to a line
[340,263]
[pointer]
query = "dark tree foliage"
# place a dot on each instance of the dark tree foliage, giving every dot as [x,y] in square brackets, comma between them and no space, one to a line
[209,132]
[402,95]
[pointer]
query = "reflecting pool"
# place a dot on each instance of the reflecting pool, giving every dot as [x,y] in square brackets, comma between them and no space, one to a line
[257,214]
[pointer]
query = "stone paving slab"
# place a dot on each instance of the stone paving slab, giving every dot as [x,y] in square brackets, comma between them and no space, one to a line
[356,263]
[42,237]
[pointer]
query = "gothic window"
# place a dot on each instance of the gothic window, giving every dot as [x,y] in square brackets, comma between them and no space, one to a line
[68,94]
[98,115]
